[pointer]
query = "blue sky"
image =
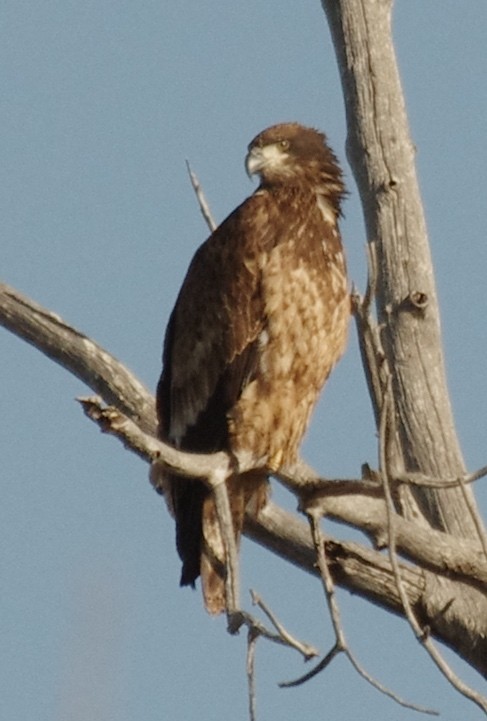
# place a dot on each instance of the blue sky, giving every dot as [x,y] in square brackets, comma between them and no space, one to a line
[101,103]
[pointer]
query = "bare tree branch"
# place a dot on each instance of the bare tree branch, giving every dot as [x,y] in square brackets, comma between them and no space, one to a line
[79,354]
[350,501]
[433,549]
[150,448]
[366,573]
[341,644]
[251,649]
[421,633]
[304,649]
[362,570]
[201,198]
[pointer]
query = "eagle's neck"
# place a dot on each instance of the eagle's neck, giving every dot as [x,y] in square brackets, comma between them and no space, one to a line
[320,181]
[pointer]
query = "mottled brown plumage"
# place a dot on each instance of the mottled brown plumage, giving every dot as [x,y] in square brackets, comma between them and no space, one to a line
[259,323]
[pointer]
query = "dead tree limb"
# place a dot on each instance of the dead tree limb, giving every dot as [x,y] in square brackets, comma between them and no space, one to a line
[362,570]
[80,355]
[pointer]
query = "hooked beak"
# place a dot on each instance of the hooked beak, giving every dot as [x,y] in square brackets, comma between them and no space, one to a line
[254,161]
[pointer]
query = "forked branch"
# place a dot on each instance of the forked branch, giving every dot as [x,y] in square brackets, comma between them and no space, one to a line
[131,418]
[341,644]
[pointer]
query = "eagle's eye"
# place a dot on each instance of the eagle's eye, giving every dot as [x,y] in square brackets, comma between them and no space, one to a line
[284,144]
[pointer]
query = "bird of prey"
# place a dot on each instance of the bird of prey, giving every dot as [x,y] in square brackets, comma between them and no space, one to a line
[259,323]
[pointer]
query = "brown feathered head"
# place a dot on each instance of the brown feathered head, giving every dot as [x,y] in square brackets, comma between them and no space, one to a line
[292,154]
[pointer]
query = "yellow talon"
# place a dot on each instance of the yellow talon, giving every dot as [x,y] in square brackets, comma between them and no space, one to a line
[275,462]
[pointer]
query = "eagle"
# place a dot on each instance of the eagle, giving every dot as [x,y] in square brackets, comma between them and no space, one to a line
[259,323]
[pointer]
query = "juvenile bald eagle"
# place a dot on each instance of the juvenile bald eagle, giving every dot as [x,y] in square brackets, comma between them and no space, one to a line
[259,323]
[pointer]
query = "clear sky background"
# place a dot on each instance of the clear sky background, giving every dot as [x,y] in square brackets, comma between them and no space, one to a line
[101,103]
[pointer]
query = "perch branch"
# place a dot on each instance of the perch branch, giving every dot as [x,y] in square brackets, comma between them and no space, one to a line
[361,570]
[350,501]
[152,450]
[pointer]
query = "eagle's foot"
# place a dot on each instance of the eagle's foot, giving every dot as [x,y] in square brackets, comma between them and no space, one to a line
[235,620]
[275,461]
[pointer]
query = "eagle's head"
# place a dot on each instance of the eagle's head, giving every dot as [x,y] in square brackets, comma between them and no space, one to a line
[292,154]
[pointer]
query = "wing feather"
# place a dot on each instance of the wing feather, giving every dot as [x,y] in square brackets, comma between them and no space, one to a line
[211,352]
[211,344]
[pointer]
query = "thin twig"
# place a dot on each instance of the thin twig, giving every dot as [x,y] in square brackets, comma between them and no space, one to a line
[383,689]
[327,580]
[304,648]
[370,345]
[325,661]
[217,482]
[252,637]
[242,618]
[422,634]
[477,521]
[372,276]
[341,642]
[200,196]
[419,479]
[481,473]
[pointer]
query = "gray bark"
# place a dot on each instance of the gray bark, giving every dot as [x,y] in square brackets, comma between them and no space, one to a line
[381,154]
[382,157]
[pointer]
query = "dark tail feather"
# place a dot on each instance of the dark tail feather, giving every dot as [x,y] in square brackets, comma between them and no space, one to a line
[188,499]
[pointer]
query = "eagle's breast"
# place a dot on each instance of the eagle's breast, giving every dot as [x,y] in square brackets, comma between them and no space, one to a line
[306,309]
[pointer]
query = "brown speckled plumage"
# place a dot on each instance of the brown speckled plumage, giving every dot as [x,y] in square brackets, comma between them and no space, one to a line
[259,323]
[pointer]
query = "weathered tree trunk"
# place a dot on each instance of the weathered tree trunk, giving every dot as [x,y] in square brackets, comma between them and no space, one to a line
[381,154]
